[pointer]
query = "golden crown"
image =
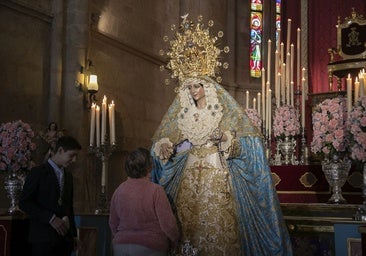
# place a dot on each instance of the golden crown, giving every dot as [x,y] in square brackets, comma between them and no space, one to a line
[194,52]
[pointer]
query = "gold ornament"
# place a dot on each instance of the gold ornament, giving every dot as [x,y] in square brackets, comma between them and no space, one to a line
[194,52]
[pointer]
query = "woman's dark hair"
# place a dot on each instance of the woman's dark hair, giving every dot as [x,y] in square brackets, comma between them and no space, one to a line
[50,125]
[138,163]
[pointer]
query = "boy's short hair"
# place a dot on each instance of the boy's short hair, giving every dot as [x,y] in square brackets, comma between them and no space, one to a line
[67,143]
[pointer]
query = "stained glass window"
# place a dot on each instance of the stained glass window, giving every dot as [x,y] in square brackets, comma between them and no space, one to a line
[278,21]
[256,35]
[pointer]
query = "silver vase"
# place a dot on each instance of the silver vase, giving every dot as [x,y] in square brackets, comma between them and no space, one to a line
[336,171]
[287,149]
[13,187]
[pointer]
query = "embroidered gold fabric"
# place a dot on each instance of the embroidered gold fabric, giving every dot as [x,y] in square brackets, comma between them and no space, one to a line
[205,206]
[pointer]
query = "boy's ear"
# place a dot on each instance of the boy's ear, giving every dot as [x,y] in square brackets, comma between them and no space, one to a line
[60,150]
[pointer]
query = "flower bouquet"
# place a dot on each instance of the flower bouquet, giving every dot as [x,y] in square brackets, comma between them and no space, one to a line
[286,122]
[329,127]
[357,130]
[286,126]
[356,124]
[16,148]
[253,115]
[329,141]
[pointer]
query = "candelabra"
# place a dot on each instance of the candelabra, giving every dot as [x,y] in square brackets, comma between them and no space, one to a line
[304,149]
[103,152]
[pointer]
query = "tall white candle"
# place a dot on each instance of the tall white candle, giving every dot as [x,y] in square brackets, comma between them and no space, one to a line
[362,83]
[283,83]
[269,113]
[97,122]
[110,123]
[357,89]
[259,103]
[113,117]
[247,100]
[269,60]
[288,35]
[92,125]
[349,94]
[292,58]
[276,76]
[282,53]
[263,96]
[104,120]
[364,80]
[292,93]
[303,102]
[288,64]
[278,90]
[298,56]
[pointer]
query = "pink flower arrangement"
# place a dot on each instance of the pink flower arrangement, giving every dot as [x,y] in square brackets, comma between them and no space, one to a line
[286,122]
[329,127]
[254,117]
[357,130]
[16,146]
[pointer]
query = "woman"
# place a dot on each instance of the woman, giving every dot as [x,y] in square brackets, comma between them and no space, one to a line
[141,219]
[209,158]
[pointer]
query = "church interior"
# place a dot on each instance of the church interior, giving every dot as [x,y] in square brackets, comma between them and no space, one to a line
[52,50]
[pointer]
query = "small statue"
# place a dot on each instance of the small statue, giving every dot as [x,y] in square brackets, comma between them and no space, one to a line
[50,136]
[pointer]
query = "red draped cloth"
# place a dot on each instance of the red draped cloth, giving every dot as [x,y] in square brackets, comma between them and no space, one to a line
[322,21]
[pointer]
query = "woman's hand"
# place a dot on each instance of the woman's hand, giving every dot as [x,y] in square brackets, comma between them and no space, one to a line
[166,151]
[218,136]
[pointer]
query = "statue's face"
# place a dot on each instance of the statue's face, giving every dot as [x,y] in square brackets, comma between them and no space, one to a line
[197,91]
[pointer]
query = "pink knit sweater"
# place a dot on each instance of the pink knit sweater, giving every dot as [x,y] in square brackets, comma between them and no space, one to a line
[140,213]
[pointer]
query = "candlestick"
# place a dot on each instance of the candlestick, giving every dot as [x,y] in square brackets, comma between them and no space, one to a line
[298,57]
[269,60]
[288,65]
[362,83]
[282,53]
[357,89]
[349,94]
[113,130]
[269,115]
[110,122]
[283,83]
[292,93]
[276,76]
[247,100]
[104,119]
[263,96]
[97,122]
[288,35]
[292,58]
[278,90]
[254,103]
[103,178]
[92,125]
[303,102]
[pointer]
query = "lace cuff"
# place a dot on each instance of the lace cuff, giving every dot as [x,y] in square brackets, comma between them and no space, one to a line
[230,147]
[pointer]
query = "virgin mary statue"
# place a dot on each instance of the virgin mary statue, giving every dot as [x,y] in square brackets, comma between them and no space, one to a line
[210,160]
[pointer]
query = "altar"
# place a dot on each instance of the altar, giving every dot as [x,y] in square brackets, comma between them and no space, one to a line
[307,184]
